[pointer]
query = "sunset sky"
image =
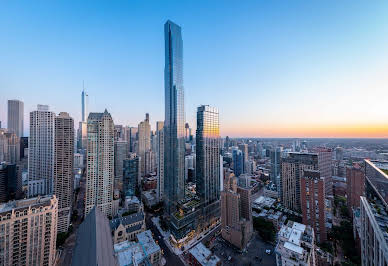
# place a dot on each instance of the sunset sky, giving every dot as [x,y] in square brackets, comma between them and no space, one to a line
[272,68]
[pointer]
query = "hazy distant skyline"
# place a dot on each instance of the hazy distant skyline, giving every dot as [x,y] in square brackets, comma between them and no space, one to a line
[273,69]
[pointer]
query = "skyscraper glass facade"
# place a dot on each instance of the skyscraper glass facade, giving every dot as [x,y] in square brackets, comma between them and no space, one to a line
[174,159]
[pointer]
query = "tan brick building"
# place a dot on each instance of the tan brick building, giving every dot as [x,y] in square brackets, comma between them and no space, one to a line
[28,231]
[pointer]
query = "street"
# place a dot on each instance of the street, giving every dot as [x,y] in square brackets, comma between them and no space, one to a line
[170,257]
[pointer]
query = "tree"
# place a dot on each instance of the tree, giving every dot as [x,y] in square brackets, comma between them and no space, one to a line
[266,229]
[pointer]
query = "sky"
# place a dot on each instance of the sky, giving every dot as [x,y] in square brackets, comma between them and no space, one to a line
[272,68]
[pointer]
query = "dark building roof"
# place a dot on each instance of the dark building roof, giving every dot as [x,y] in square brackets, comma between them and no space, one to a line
[130,219]
[94,244]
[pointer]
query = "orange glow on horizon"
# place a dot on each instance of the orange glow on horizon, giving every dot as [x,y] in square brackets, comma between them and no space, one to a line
[308,131]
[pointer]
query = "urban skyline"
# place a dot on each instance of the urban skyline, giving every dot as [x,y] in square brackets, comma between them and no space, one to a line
[337,84]
[183,194]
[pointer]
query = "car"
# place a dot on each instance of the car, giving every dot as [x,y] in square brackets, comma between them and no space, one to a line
[268,251]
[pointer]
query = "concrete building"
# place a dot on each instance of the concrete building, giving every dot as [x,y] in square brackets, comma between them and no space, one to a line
[126,228]
[63,168]
[94,244]
[296,245]
[16,117]
[355,186]
[292,170]
[143,252]
[100,163]
[374,215]
[312,195]
[28,231]
[144,131]
[234,227]
[201,256]
[41,152]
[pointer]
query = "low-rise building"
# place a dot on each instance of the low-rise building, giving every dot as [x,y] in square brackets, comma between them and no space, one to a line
[126,228]
[201,256]
[296,245]
[142,252]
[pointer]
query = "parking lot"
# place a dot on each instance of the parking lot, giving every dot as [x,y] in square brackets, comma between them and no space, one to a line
[255,254]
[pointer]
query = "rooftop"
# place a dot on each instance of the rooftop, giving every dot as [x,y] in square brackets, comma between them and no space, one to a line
[26,203]
[203,255]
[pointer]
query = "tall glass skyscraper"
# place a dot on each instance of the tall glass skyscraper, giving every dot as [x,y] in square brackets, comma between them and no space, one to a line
[208,154]
[174,152]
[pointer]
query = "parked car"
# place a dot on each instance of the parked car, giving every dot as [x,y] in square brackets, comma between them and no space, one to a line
[268,251]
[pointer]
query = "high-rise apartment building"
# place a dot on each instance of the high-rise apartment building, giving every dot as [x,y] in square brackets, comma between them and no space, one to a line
[63,168]
[160,159]
[355,186]
[325,157]
[244,149]
[9,147]
[28,231]
[208,160]
[132,138]
[208,154]
[312,197]
[174,124]
[41,152]
[10,182]
[120,155]
[131,175]
[238,161]
[144,131]
[235,228]
[275,156]
[16,117]
[374,215]
[292,170]
[100,163]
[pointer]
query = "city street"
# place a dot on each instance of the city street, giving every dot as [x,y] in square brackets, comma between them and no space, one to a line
[67,252]
[170,257]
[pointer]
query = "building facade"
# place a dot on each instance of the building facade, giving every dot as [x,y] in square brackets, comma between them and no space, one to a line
[160,159]
[16,117]
[41,152]
[355,186]
[131,176]
[28,231]
[312,197]
[63,168]
[374,215]
[174,123]
[144,145]
[292,170]
[100,163]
